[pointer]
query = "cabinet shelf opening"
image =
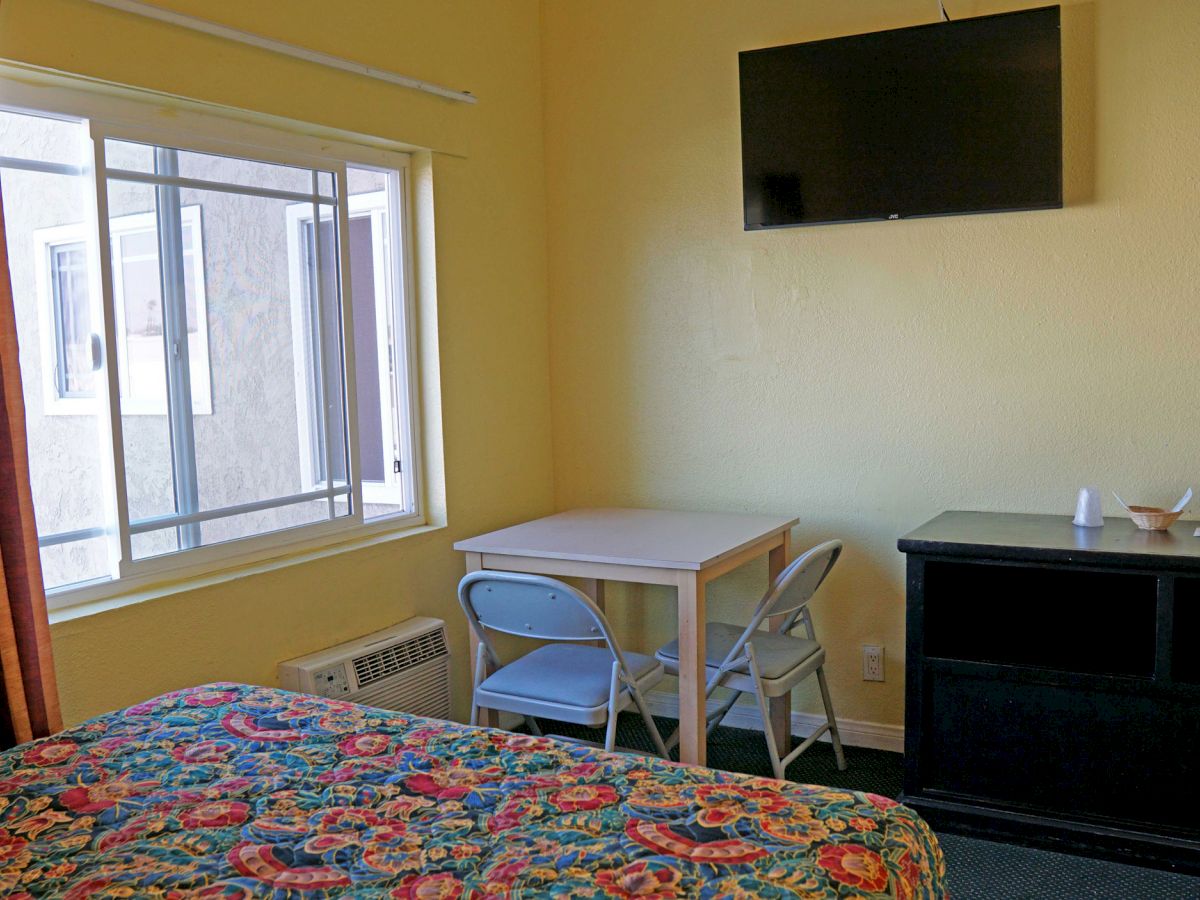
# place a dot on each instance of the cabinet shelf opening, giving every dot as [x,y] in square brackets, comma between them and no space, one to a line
[1076,620]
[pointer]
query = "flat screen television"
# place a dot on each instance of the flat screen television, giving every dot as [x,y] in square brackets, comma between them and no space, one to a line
[941,119]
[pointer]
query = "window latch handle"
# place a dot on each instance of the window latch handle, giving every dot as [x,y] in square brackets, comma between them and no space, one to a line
[97,351]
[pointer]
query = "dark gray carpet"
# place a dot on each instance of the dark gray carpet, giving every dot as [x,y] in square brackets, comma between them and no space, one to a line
[989,870]
[976,869]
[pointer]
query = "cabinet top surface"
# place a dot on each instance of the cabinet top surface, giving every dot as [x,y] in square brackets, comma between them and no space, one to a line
[1050,537]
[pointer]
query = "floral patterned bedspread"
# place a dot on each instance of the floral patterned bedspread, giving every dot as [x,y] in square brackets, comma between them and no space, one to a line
[228,790]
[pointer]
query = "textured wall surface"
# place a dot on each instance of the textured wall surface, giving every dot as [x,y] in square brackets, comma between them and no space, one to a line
[490,328]
[862,376]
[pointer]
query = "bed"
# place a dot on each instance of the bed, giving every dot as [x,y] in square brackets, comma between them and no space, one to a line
[229,790]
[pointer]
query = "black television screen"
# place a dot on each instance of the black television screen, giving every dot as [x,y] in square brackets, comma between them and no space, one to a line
[940,119]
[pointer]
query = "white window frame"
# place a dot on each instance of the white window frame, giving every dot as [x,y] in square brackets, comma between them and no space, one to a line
[44,242]
[108,116]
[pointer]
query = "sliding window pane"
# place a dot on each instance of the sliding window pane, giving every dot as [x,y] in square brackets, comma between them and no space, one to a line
[232,394]
[46,218]
[379,349]
[276,377]
[318,335]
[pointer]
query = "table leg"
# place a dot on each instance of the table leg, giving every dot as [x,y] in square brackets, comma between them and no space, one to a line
[781,707]
[594,588]
[487,717]
[692,747]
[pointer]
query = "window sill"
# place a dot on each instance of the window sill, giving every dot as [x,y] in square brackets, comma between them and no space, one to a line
[122,595]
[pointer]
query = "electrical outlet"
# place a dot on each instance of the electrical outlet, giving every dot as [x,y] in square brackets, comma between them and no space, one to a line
[872,662]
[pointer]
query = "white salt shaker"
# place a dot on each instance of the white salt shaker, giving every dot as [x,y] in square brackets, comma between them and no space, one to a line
[1087,508]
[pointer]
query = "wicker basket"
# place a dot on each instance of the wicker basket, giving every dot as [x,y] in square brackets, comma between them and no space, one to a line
[1151,518]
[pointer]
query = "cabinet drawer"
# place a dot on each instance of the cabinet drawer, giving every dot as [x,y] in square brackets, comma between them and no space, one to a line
[1073,753]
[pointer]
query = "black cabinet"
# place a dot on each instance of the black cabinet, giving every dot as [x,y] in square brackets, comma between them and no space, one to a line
[1053,683]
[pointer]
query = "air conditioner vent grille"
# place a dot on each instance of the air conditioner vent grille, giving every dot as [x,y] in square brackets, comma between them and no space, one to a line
[378,664]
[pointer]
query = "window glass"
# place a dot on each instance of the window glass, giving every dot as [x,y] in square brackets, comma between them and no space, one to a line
[268,370]
[318,335]
[42,138]
[372,451]
[235,289]
[56,321]
[379,350]
[222,169]
[132,157]
[232,528]
[137,291]
[377,264]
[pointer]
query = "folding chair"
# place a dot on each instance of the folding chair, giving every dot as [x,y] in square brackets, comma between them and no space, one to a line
[571,682]
[770,663]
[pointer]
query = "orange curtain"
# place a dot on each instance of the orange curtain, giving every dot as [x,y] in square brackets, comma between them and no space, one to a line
[29,700]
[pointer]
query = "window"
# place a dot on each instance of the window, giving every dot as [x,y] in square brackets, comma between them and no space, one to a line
[234,374]
[377,327]
[63,295]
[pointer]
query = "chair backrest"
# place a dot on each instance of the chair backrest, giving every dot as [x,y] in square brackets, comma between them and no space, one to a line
[798,582]
[531,606]
[534,606]
[790,593]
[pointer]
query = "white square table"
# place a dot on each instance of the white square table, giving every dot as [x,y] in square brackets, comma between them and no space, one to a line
[685,550]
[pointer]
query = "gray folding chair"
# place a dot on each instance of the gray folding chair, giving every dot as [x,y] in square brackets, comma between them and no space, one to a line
[587,685]
[770,663]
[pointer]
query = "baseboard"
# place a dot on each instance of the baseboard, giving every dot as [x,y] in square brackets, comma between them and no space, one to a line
[854,734]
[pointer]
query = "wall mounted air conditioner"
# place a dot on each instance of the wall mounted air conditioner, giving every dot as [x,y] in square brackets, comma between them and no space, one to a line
[404,668]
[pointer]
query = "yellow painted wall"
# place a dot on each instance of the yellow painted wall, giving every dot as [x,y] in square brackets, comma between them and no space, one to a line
[491,324]
[863,376]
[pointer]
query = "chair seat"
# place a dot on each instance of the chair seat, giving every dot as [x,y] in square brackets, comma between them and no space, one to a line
[565,675]
[777,654]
